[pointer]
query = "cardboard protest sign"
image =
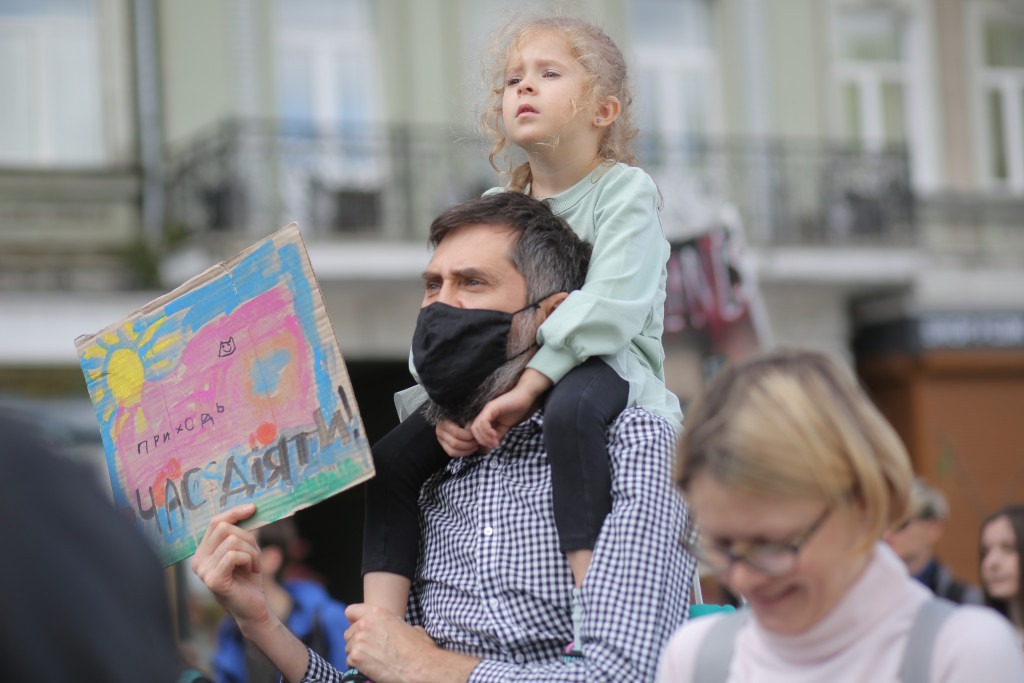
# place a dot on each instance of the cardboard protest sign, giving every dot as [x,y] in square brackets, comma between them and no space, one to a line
[230,389]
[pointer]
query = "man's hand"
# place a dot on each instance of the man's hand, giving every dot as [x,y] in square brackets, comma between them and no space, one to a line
[506,411]
[228,562]
[455,440]
[385,649]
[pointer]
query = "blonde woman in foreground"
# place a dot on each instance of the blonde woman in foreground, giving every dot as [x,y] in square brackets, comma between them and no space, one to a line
[792,475]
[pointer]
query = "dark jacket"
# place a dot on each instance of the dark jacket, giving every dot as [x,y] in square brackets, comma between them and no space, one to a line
[83,595]
[941,581]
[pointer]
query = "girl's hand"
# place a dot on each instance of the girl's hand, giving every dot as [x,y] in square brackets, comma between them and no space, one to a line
[501,414]
[506,411]
[455,440]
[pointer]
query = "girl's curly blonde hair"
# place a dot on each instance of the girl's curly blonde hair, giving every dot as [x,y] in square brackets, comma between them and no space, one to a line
[607,75]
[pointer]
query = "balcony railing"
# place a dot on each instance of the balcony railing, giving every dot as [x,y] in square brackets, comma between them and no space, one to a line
[248,177]
[791,192]
[254,176]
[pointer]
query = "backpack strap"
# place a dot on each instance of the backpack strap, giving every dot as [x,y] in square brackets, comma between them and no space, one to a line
[716,650]
[715,653]
[917,656]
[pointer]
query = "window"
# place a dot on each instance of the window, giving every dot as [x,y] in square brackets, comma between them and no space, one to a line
[871,65]
[885,93]
[50,83]
[675,69]
[327,105]
[326,65]
[1001,78]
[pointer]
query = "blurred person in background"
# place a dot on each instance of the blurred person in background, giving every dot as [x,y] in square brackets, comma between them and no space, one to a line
[914,540]
[304,606]
[1002,546]
[792,475]
[83,596]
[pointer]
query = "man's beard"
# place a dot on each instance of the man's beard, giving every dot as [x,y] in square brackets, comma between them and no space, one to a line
[521,337]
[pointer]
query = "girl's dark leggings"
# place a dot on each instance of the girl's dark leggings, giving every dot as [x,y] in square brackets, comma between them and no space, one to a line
[577,413]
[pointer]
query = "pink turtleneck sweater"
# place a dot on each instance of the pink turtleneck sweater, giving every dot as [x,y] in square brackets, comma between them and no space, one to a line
[862,639]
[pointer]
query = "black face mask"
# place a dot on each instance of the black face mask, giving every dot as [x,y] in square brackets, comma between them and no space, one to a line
[456,349]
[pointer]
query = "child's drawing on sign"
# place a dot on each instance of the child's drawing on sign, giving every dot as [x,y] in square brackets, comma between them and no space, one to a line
[230,389]
[117,364]
[227,347]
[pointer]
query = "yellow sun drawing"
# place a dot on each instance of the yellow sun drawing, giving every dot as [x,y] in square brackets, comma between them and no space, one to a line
[117,366]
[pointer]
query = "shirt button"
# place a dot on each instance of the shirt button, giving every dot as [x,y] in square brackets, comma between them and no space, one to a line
[488,531]
[494,602]
[520,659]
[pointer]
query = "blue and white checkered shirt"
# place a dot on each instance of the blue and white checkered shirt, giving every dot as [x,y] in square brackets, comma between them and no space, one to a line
[492,582]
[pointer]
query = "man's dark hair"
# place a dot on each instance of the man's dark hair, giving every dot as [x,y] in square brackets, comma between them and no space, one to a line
[546,252]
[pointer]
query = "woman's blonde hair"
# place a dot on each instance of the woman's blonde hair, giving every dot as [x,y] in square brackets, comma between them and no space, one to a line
[607,75]
[792,424]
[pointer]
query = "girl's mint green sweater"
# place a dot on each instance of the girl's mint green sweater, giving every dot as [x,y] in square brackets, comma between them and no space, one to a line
[619,313]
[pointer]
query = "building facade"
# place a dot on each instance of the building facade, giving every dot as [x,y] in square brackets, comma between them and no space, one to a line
[871,151]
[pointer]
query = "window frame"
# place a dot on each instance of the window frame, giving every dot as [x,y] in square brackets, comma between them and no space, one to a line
[42,31]
[1009,82]
[916,75]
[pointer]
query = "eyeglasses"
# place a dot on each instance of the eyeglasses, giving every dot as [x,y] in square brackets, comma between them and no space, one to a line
[773,559]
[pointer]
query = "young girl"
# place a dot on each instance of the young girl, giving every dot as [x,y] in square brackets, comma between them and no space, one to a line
[1001,556]
[560,94]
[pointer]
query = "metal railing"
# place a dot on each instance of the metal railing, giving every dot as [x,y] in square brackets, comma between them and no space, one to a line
[792,192]
[247,177]
[242,179]
[252,176]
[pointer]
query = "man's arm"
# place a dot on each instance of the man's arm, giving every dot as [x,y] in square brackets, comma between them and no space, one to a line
[637,588]
[388,650]
[228,562]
